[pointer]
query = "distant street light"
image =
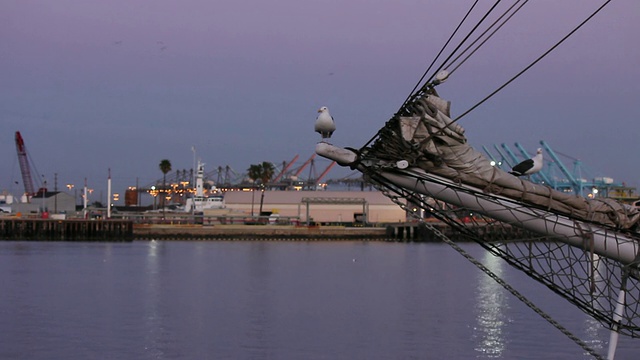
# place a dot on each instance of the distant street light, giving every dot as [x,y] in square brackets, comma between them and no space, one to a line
[75,200]
[154,193]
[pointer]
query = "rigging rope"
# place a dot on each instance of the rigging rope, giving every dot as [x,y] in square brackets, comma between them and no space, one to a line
[439,53]
[532,64]
[385,190]
[488,37]
[416,94]
[425,87]
[514,292]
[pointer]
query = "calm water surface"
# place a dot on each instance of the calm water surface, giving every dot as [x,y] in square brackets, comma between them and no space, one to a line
[276,300]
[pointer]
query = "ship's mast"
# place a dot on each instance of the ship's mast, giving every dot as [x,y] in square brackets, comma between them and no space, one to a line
[200,180]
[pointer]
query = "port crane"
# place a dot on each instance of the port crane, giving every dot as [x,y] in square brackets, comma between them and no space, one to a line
[558,176]
[285,168]
[25,169]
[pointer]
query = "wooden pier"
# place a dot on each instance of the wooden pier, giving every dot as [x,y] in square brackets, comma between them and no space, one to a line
[66,230]
[127,230]
[257,232]
[416,232]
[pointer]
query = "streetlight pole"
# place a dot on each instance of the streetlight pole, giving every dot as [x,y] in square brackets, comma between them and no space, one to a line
[69,187]
[55,189]
[193,181]
[109,195]
[154,194]
[44,191]
[253,191]
[84,199]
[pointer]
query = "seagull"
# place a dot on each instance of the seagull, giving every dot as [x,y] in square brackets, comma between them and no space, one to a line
[529,166]
[324,123]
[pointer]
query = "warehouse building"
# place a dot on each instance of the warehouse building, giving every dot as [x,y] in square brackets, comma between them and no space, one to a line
[317,206]
[49,202]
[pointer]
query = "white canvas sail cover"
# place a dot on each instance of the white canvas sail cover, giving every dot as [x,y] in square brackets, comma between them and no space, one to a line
[428,138]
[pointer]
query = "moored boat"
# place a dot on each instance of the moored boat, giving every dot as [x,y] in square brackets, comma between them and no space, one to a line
[200,201]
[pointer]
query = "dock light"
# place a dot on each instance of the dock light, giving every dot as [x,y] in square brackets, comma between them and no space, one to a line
[492,163]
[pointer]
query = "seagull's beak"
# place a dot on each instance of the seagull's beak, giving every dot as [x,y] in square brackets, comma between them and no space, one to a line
[319,110]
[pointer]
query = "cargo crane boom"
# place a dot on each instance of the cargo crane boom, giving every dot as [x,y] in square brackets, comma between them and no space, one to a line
[24,165]
[325,172]
[285,168]
[304,165]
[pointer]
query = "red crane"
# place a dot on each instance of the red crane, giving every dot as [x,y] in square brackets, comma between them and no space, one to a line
[24,165]
[304,165]
[325,172]
[284,169]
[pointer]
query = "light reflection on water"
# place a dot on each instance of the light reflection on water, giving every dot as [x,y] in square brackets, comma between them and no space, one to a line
[593,330]
[491,309]
[155,331]
[271,300]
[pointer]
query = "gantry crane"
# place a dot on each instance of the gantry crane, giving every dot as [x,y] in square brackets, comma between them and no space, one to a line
[568,181]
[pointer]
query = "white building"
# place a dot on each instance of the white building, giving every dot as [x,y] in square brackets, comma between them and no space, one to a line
[50,201]
[317,206]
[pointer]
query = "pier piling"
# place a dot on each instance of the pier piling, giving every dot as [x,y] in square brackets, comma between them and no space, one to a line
[66,230]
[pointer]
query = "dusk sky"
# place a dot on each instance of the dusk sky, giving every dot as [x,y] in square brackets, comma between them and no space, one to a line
[93,85]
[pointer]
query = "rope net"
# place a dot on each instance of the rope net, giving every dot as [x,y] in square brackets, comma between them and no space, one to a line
[585,250]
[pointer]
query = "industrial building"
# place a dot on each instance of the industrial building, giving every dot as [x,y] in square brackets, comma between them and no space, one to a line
[317,206]
[47,201]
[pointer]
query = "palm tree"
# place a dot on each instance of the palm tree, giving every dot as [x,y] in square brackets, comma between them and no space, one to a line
[262,173]
[165,167]
[267,172]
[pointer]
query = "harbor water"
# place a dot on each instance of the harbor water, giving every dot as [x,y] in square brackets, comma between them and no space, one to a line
[277,300]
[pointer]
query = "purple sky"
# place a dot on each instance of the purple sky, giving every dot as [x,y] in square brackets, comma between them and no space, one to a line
[93,85]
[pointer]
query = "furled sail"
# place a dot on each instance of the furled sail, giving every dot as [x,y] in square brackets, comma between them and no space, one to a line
[425,136]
